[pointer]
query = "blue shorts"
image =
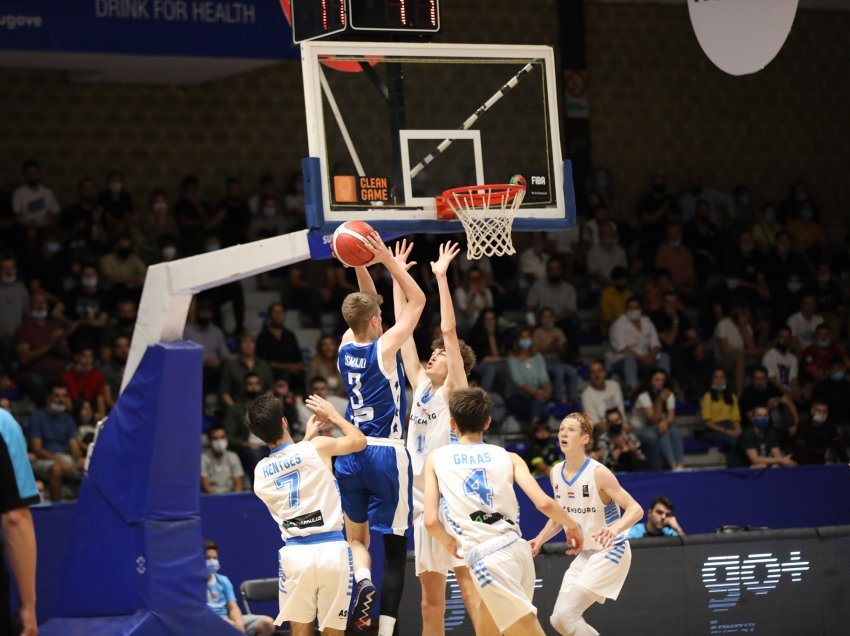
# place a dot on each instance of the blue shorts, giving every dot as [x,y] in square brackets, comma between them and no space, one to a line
[375,485]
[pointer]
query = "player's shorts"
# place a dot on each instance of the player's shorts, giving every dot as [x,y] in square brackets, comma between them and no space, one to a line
[316,579]
[603,572]
[431,556]
[375,485]
[505,579]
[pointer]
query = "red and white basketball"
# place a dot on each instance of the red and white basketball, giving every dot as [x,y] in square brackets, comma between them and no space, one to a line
[350,245]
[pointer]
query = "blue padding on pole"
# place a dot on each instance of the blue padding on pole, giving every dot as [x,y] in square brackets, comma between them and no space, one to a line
[135,563]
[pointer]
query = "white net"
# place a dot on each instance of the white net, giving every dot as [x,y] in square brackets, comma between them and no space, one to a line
[487,214]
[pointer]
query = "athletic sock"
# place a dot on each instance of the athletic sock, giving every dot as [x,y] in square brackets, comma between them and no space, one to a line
[362,573]
[386,625]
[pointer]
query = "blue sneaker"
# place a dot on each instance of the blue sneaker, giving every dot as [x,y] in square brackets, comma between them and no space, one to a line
[361,614]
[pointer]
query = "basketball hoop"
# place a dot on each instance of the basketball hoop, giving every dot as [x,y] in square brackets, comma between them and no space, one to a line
[487,213]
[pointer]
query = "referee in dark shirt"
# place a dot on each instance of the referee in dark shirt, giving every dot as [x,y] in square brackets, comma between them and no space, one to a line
[17,492]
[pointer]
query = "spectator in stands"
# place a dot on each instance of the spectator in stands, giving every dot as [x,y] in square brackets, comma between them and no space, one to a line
[265,189]
[782,410]
[603,258]
[122,270]
[239,440]
[289,400]
[655,210]
[232,216]
[317,287]
[191,214]
[749,265]
[293,201]
[532,260]
[233,371]
[781,365]
[84,223]
[757,446]
[42,350]
[268,220]
[681,342]
[155,225]
[808,238]
[113,368]
[745,208]
[86,424]
[830,298]
[203,332]
[590,230]
[123,325]
[737,349]
[654,418]
[85,382]
[660,521]
[720,414]
[765,229]
[635,345]
[530,389]
[222,600]
[816,359]
[819,439]
[550,342]
[556,294]
[487,340]
[704,237]
[565,246]
[15,301]
[85,309]
[33,203]
[783,263]
[48,267]
[220,295]
[324,364]
[470,299]
[116,202]
[543,451]
[620,448]
[53,440]
[804,323]
[712,205]
[278,346]
[612,301]
[834,391]
[601,395]
[787,299]
[221,470]
[319,386]
[654,290]
[678,259]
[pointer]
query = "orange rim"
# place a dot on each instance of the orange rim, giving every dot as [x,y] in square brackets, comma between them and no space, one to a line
[476,196]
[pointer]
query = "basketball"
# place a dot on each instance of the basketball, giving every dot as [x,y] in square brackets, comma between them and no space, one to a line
[518,179]
[349,243]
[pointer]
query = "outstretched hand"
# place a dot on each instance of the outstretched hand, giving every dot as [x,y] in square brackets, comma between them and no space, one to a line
[402,253]
[323,409]
[314,427]
[448,251]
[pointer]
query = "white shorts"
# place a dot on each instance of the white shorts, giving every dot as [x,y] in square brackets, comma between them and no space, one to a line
[603,572]
[431,556]
[316,580]
[505,579]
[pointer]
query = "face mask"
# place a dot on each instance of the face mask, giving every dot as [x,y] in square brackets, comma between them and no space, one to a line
[807,214]
[761,422]
[633,314]
[39,314]
[83,368]
[824,278]
[269,213]
[212,566]
[115,187]
[204,321]
[548,325]
[85,419]
[795,287]
[769,217]
[732,283]
[524,344]
[251,395]
[8,280]
[169,252]
[211,247]
[676,243]
[608,242]
[90,282]
[823,344]
[718,388]
[219,445]
[57,407]
[602,182]
[838,376]
[820,418]
[160,206]
[53,247]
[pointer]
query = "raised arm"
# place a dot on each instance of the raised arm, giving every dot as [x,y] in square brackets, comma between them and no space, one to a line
[545,504]
[607,484]
[412,366]
[432,506]
[352,440]
[456,378]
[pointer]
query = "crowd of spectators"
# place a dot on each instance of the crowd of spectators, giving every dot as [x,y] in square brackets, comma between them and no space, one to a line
[704,304]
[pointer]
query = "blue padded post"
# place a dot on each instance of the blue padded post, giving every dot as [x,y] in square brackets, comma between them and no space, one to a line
[135,563]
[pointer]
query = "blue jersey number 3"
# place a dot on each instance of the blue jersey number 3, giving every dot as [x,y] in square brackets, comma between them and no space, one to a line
[293,482]
[476,486]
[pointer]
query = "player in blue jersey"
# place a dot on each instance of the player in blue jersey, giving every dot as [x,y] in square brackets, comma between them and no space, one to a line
[375,484]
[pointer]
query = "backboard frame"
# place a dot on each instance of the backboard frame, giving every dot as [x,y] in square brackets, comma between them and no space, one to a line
[410,218]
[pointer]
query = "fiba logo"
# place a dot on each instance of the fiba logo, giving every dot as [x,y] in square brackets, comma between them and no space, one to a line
[727,577]
[538,181]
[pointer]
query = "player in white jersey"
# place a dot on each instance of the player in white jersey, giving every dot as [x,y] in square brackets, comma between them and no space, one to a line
[591,494]
[470,484]
[430,428]
[297,484]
